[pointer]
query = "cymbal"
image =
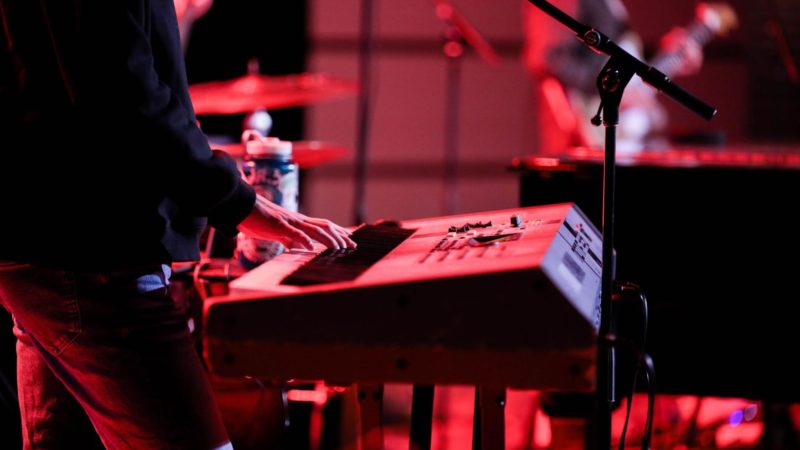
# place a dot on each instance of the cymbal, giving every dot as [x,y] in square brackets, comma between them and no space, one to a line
[305,153]
[250,92]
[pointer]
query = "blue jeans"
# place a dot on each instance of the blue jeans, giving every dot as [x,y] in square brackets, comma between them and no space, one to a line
[112,345]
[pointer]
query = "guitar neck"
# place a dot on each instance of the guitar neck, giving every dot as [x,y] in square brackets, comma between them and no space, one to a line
[669,62]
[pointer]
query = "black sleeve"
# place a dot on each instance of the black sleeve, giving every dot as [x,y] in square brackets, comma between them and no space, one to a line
[142,71]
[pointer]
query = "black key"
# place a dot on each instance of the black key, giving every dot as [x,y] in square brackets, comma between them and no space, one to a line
[374,242]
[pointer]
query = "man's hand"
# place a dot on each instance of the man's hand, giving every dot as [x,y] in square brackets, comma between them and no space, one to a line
[271,222]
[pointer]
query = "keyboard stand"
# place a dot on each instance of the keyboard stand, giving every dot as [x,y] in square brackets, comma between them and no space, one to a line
[370,402]
[488,426]
[421,417]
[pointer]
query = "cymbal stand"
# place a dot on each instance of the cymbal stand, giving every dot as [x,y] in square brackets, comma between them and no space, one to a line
[611,83]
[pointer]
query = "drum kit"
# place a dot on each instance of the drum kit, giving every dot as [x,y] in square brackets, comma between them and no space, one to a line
[254,92]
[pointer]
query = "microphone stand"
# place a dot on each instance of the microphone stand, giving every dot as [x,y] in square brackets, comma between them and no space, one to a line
[458,30]
[611,83]
[366,44]
[453,50]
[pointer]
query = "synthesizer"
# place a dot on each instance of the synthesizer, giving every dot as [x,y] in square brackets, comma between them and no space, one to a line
[499,298]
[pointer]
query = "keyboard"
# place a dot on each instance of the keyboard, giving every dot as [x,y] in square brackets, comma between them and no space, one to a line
[525,287]
[374,242]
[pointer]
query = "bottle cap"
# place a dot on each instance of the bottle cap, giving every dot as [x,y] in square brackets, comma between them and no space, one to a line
[257,145]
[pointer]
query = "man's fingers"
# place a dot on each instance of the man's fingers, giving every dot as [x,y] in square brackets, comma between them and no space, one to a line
[350,243]
[342,234]
[324,237]
[327,233]
[297,230]
[330,229]
[295,238]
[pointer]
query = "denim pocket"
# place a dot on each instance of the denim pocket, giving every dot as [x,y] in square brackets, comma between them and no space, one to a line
[44,304]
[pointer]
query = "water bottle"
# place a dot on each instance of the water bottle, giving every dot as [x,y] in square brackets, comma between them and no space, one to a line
[269,168]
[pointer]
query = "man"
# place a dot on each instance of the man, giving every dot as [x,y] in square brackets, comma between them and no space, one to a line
[105,181]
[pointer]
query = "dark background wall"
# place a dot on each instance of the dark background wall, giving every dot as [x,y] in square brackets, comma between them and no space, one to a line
[236,32]
[742,76]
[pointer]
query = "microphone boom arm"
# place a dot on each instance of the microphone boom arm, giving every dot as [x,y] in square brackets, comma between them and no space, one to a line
[602,44]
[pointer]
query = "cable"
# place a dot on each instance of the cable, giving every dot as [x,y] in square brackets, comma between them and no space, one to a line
[628,411]
[650,372]
[642,359]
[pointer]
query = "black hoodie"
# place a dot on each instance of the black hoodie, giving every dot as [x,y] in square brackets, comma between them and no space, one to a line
[102,164]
